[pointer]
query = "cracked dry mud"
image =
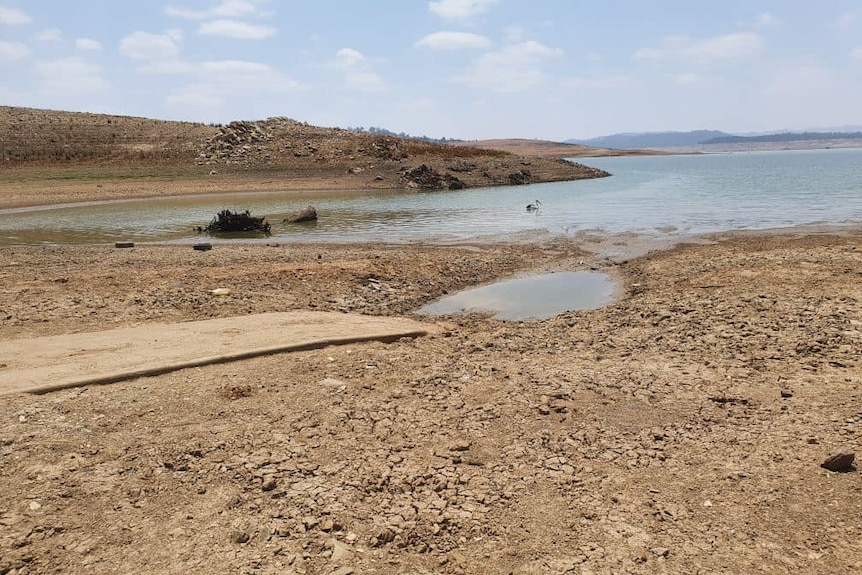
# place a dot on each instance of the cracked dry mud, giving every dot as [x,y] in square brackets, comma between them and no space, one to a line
[679,430]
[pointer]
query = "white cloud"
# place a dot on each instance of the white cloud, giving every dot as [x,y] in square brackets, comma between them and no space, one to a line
[50,35]
[70,76]
[460,9]
[365,82]
[516,68]
[14,16]
[236,29]
[801,80]
[358,75]
[764,20]
[224,9]
[727,47]
[12,51]
[585,84]
[453,41]
[87,44]
[233,75]
[692,79]
[251,75]
[856,54]
[846,21]
[146,46]
[168,68]
[514,34]
[207,95]
[348,58]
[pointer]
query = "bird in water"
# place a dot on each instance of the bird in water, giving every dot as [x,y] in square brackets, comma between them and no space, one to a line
[534,207]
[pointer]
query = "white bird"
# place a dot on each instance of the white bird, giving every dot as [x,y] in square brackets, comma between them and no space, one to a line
[534,207]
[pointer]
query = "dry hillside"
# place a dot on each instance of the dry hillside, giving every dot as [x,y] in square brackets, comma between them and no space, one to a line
[277,147]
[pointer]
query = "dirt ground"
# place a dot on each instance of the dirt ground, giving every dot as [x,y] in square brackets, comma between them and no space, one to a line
[678,430]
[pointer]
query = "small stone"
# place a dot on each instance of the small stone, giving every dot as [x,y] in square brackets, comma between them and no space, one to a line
[660,551]
[310,522]
[269,484]
[341,553]
[240,537]
[461,445]
[785,393]
[841,460]
[35,506]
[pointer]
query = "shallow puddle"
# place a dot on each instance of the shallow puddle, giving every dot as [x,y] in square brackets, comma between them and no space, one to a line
[535,297]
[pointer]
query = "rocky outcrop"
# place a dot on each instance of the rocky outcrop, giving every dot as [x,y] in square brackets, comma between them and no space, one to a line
[235,141]
[520,178]
[427,178]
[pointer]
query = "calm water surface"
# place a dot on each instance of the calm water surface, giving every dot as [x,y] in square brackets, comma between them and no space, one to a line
[660,195]
[535,297]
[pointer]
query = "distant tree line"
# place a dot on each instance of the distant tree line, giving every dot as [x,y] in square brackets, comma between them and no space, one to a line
[384,132]
[785,137]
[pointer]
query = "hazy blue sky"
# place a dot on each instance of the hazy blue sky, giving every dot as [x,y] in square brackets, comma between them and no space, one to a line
[552,69]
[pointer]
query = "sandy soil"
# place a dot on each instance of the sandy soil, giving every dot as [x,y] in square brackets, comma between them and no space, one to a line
[679,430]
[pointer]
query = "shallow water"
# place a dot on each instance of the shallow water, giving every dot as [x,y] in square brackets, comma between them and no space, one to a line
[654,195]
[534,297]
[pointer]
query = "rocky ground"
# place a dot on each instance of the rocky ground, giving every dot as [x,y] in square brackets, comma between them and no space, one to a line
[679,430]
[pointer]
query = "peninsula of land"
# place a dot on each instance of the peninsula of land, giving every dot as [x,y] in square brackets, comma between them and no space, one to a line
[51,157]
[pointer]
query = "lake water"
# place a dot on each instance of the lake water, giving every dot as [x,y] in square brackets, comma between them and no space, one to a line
[655,195]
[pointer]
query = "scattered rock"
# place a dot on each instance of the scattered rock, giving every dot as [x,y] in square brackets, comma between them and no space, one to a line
[520,178]
[341,553]
[839,461]
[427,178]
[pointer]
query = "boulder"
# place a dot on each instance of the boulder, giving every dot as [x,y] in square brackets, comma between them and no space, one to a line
[841,460]
[308,214]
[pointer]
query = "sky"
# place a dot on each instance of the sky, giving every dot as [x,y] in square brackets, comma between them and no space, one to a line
[467,69]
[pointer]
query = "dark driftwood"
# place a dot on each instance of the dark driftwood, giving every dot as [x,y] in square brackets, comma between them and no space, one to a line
[228,221]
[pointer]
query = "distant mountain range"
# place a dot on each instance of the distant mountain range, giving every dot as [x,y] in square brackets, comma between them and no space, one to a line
[712,137]
[651,139]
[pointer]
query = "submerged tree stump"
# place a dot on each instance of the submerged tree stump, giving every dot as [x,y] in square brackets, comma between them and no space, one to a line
[228,221]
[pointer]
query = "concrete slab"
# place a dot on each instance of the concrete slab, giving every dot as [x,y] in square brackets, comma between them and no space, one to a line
[43,364]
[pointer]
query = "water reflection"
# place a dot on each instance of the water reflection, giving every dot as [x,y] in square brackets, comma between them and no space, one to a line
[535,297]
